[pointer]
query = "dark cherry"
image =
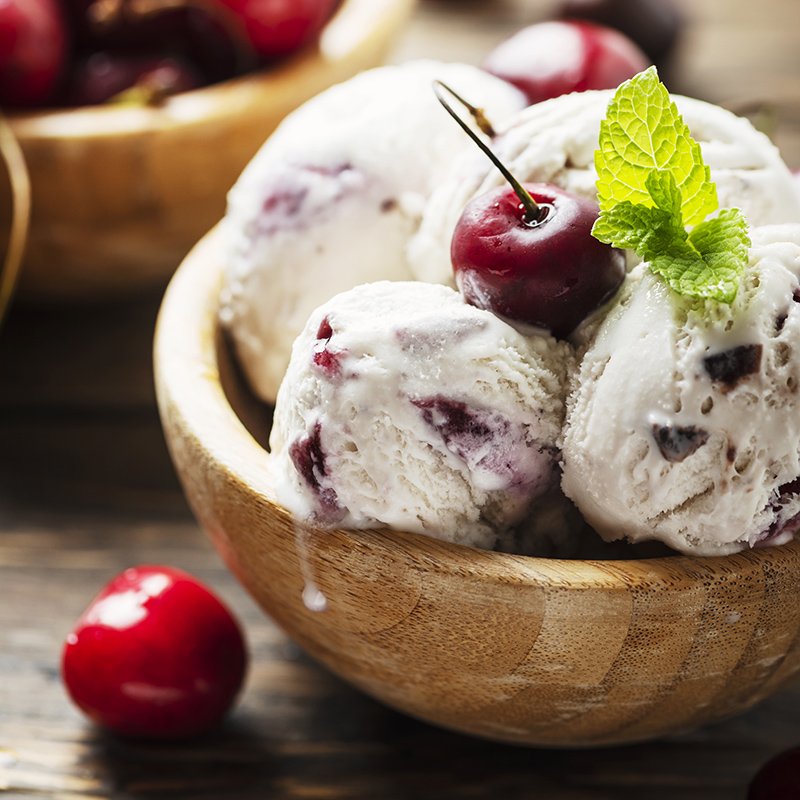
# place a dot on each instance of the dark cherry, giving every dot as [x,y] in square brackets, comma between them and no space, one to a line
[778,779]
[554,58]
[155,654]
[203,33]
[278,27]
[549,273]
[33,51]
[655,25]
[103,76]
[526,252]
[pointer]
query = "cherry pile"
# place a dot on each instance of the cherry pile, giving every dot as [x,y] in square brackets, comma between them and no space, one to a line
[79,52]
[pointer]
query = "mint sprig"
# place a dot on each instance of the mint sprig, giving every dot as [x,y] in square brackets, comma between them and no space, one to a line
[652,184]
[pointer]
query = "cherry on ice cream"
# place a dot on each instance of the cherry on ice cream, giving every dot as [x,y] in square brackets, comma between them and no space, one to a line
[527,252]
[155,654]
[548,272]
[554,58]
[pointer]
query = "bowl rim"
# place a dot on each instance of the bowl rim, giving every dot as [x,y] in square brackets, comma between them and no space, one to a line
[189,388]
[367,19]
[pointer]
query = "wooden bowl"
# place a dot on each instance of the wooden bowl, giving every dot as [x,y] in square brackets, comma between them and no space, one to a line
[526,650]
[120,194]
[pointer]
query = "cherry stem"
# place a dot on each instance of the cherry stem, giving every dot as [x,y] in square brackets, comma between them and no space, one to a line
[533,212]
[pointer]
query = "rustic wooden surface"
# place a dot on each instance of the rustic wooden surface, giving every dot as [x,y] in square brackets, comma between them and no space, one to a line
[86,489]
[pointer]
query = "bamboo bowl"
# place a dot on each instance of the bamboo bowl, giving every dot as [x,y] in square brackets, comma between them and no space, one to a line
[525,650]
[120,194]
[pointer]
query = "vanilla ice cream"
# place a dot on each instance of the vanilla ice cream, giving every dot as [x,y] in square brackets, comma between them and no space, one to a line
[332,198]
[405,407]
[554,142]
[684,422]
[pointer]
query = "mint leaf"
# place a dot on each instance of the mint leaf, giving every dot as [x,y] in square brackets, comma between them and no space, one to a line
[709,264]
[643,131]
[636,227]
[665,193]
[652,183]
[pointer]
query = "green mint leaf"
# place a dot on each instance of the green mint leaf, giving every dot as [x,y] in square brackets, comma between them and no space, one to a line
[652,184]
[709,265]
[666,195]
[646,230]
[642,132]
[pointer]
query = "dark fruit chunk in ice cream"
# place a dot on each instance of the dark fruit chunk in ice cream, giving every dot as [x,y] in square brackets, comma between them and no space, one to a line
[309,459]
[778,779]
[546,272]
[676,442]
[731,366]
[554,58]
[487,442]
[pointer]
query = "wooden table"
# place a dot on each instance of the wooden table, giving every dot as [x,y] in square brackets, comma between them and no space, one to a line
[86,489]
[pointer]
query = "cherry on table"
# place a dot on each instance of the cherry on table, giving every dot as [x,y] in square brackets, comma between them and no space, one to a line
[548,272]
[778,779]
[33,51]
[155,654]
[554,58]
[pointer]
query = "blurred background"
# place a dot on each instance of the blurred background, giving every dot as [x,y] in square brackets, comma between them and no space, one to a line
[120,191]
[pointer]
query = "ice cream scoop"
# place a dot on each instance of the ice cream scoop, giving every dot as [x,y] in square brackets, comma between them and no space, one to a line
[332,198]
[684,422]
[554,142]
[405,407]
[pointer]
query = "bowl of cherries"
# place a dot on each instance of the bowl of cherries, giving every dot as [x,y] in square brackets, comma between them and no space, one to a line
[134,118]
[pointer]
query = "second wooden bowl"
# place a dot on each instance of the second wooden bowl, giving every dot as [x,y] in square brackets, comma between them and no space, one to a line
[120,194]
[526,650]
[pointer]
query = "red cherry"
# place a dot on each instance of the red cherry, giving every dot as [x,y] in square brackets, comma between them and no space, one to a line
[155,654]
[778,779]
[33,51]
[548,273]
[278,27]
[554,58]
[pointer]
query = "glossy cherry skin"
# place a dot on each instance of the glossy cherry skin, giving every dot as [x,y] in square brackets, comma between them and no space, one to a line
[549,275]
[278,27]
[33,51]
[155,654]
[778,779]
[554,58]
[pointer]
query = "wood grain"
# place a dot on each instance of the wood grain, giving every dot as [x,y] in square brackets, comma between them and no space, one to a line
[121,193]
[533,651]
